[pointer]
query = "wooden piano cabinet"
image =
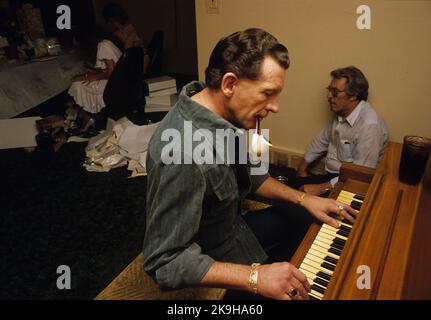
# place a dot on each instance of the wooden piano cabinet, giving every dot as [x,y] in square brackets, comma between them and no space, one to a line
[391,236]
[418,276]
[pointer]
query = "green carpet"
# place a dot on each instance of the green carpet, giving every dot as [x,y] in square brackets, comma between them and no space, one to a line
[56,213]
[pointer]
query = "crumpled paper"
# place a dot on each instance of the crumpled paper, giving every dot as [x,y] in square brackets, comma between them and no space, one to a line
[122,143]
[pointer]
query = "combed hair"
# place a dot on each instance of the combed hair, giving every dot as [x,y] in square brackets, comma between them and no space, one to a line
[116,12]
[356,83]
[242,53]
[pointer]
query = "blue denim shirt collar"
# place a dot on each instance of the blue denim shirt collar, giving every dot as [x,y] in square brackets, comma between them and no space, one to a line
[202,117]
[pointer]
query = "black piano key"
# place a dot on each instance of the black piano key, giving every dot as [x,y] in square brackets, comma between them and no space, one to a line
[328,266]
[344,228]
[339,241]
[317,288]
[343,233]
[312,298]
[336,246]
[356,203]
[348,223]
[335,251]
[330,260]
[321,282]
[356,207]
[359,197]
[323,275]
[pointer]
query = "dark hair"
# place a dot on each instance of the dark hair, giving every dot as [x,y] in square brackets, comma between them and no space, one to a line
[116,12]
[357,84]
[242,53]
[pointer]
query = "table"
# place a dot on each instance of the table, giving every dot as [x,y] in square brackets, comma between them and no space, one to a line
[25,85]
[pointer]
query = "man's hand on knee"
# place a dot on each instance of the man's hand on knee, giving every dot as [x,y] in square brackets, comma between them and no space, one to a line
[302,169]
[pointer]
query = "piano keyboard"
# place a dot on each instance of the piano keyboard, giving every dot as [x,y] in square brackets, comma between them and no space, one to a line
[322,257]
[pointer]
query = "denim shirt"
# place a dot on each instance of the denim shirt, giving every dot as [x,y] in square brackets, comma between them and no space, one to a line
[193,216]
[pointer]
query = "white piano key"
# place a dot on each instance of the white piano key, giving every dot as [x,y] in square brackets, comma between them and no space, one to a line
[348,194]
[321,250]
[345,224]
[348,202]
[323,245]
[319,254]
[316,294]
[314,258]
[310,275]
[327,226]
[349,199]
[319,260]
[344,201]
[313,279]
[326,236]
[313,270]
[318,266]
[333,233]
[324,239]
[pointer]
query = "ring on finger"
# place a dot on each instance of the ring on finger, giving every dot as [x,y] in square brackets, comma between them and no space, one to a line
[293,293]
[340,208]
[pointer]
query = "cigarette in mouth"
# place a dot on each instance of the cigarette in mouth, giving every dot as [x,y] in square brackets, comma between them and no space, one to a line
[259,138]
[258,131]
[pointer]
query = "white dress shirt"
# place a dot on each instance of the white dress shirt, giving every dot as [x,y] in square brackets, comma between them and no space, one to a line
[360,138]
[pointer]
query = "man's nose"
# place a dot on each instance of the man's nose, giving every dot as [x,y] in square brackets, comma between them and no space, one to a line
[273,105]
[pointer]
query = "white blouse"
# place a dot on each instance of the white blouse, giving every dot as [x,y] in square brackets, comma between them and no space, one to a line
[90,96]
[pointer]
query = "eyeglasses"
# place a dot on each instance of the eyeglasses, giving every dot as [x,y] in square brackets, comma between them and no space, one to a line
[334,91]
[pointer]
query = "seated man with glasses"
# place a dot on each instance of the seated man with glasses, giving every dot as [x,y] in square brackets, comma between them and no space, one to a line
[355,134]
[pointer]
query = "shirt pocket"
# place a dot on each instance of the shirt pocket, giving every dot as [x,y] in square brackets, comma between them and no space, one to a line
[345,151]
[223,183]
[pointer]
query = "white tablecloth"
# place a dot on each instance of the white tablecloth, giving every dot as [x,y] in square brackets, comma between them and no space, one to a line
[24,86]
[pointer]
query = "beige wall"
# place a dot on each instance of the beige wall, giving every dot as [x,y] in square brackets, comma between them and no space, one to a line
[175,17]
[395,55]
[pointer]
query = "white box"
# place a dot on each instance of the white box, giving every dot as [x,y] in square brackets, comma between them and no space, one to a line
[163,100]
[160,83]
[157,108]
[163,92]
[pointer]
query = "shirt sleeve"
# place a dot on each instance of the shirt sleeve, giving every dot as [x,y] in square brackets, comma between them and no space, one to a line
[369,146]
[174,209]
[319,146]
[334,181]
[106,50]
[257,180]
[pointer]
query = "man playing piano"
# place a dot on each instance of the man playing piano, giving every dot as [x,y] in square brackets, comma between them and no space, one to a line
[195,234]
[355,134]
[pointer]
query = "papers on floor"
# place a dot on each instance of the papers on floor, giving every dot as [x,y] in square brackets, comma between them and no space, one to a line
[162,94]
[123,143]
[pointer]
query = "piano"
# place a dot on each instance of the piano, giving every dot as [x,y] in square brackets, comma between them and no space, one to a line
[386,253]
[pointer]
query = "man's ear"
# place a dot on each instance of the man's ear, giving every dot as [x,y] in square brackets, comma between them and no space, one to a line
[228,84]
[353,98]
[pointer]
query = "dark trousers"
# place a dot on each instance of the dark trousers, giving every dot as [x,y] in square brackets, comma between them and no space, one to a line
[280,230]
[298,182]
